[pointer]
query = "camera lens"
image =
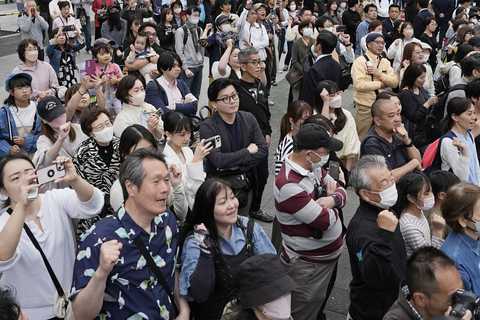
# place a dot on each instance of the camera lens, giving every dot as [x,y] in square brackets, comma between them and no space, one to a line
[50,173]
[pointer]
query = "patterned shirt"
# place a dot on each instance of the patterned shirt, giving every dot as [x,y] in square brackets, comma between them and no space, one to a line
[132,290]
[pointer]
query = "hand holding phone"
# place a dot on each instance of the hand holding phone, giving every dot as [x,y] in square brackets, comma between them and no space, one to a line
[51,173]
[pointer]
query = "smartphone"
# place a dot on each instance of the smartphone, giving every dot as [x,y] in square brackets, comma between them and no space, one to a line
[90,67]
[341,28]
[50,173]
[334,170]
[215,141]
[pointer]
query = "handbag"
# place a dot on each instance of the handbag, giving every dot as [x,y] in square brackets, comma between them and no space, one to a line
[294,75]
[62,307]
[157,272]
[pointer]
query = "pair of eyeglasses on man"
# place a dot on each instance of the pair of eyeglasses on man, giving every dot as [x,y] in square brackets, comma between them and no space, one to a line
[228,99]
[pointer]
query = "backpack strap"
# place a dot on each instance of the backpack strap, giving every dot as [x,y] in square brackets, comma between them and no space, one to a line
[250,228]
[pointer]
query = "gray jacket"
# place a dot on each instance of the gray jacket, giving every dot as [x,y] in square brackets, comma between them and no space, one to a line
[401,310]
[187,53]
[32,30]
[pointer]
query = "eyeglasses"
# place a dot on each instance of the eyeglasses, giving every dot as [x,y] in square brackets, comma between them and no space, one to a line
[101,126]
[255,62]
[228,99]
[379,42]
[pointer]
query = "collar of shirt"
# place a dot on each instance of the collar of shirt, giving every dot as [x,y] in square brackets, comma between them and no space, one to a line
[235,244]
[473,244]
[134,230]
[170,84]
[371,56]
[322,56]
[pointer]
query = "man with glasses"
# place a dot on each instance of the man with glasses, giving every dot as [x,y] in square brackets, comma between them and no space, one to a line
[243,145]
[370,74]
[254,99]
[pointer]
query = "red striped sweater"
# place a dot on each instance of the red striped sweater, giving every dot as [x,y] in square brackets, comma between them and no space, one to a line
[308,230]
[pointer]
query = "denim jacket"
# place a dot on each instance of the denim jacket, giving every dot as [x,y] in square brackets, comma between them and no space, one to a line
[8,130]
[55,55]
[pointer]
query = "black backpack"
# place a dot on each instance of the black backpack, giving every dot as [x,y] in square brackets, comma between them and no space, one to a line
[433,121]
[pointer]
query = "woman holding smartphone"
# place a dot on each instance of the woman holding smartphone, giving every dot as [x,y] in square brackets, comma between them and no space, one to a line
[131,92]
[48,217]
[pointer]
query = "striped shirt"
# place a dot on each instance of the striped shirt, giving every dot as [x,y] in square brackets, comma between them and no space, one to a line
[308,230]
[285,147]
[416,233]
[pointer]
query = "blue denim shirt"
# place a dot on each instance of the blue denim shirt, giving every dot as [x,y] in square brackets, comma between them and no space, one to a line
[132,290]
[362,30]
[233,246]
[8,129]
[466,253]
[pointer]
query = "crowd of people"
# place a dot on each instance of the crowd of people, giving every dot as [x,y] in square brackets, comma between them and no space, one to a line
[123,198]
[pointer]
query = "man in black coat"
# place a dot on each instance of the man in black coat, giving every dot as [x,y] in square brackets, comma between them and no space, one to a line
[324,68]
[419,23]
[388,25]
[351,18]
[374,241]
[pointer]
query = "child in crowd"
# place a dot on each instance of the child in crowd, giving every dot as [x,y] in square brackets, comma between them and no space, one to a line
[141,50]
[110,73]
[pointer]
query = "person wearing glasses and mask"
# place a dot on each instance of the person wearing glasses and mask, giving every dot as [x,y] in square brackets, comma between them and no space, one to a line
[97,159]
[254,99]
[243,146]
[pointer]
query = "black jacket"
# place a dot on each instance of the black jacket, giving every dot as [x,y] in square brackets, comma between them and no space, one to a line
[253,99]
[419,22]
[351,19]
[378,261]
[226,158]
[388,30]
[324,69]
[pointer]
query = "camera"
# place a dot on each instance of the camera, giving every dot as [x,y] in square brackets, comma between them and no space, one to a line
[50,173]
[462,301]
[222,37]
[68,28]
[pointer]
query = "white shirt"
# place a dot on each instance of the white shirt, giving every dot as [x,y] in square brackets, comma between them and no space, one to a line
[68,149]
[24,118]
[134,115]
[216,73]
[192,173]
[26,271]
[256,36]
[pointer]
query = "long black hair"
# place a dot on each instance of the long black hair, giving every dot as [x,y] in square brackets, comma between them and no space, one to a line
[18,82]
[331,87]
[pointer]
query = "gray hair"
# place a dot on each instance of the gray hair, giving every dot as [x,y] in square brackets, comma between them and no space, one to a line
[359,178]
[244,54]
[132,170]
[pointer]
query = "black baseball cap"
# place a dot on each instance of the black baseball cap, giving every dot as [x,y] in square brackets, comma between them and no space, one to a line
[10,78]
[50,108]
[312,136]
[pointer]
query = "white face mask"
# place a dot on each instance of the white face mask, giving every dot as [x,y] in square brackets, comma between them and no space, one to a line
[336,102]
[105,136]
[194,20]
[177,10]
[428,203]
[343,5]
[388,197]
[308,32]
[31,56]
[138,99]
[320,163]
[293,7]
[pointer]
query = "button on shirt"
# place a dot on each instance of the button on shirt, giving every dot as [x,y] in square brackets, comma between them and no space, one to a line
[394,152]
[132,290]
[466,253]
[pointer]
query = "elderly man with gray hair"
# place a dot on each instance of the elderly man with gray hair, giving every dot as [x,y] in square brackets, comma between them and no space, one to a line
[125,267]
[375,244]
